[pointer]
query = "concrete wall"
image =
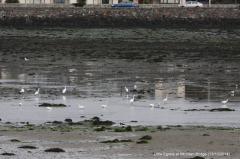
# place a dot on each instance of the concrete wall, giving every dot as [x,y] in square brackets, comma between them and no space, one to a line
[63,15]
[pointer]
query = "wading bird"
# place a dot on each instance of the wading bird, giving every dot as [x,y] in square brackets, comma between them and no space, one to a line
[224,102]
[80,106]
[132,100]
[22,90]
[104,106]
[64,90]
[49,108]
[151,105]
[126,89]
[165,100]
[26,59]
[36,93]
[135,86]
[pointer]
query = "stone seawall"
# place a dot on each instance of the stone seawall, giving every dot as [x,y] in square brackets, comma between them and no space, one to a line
[118,16]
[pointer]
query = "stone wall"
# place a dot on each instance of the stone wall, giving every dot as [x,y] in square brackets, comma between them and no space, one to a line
[68,15]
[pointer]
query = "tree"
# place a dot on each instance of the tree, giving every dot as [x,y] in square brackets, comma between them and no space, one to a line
[11,1]
[146,2]
[80,3]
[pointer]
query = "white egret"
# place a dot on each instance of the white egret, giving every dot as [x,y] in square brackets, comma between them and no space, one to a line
[22,90]
[49,108]
[20,104]
[224,102]
[135,86]
[126,89]
[165,100]
[80,106]
[132,100]
[36,93]
[64,90]
[232,92]
[26,59]
[104,106]
[151,105]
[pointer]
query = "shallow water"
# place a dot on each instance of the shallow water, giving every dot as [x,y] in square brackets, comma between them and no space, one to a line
[93,90]
[201,84]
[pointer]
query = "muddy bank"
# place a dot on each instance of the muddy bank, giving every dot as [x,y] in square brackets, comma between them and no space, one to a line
[82,141]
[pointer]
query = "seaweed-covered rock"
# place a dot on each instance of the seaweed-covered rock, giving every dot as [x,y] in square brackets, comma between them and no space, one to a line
[221,109]
[54,150]
[128,128]
[146,137]
[27,147]
[8,154]
[51,105]
[116,141]
[15,140]
[57,122]
[68,120]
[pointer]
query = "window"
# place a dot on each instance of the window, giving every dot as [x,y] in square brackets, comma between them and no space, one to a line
[59,1]
[105,2]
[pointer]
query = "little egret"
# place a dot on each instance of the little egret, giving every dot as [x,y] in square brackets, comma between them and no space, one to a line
[22,90]
[151,105]
[126,89]
[64,90]
[165,100]
[49,108]
[20,104]
[135,86]
[80,106]
[36,93]
[232,92]
[104,106]
[132,100]
[224,102]
[26,59]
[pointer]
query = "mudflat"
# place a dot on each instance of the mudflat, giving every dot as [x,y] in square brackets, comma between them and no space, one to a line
[85,142]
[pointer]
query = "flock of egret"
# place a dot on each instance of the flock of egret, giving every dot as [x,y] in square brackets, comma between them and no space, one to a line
[37,92]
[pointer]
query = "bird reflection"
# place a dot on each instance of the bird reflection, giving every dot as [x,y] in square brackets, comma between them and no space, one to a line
[224,106]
